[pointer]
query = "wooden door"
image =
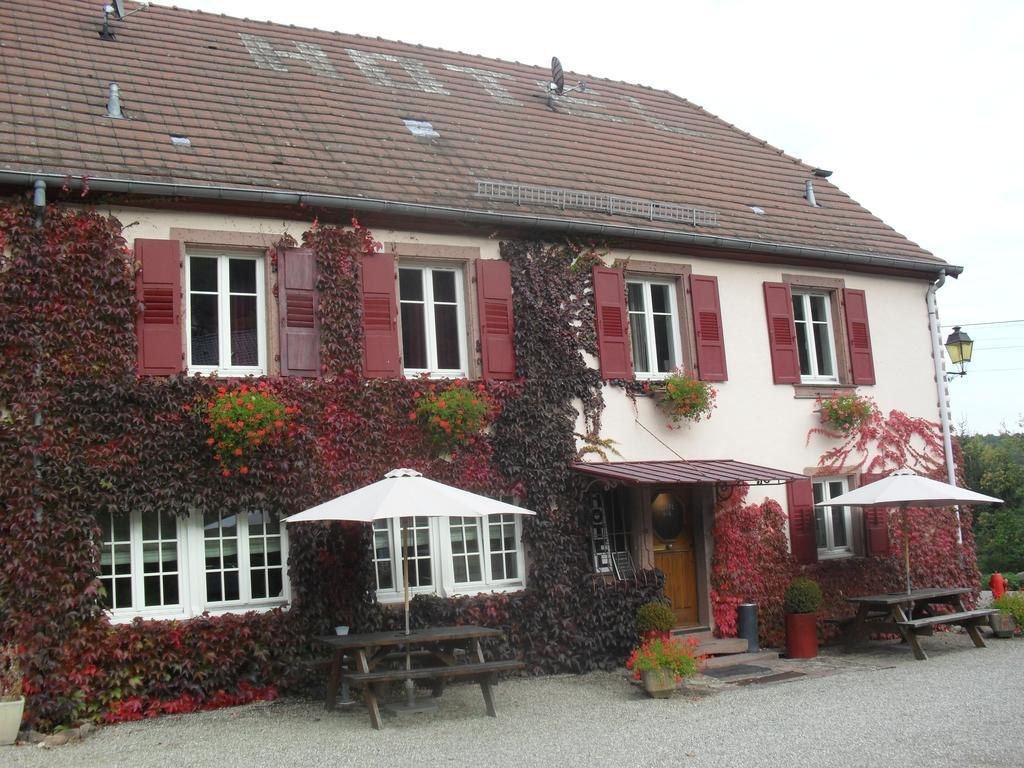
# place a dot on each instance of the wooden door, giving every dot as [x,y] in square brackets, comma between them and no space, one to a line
[675,556]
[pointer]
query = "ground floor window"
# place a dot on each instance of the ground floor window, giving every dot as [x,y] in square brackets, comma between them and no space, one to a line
[156,565]
[448,555]
[832,524]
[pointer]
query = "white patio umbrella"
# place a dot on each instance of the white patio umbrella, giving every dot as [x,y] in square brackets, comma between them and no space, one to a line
[405,493]
[905,489]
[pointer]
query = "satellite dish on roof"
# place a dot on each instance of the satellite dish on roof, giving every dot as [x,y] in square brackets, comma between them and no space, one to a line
[557,84]
[118,8]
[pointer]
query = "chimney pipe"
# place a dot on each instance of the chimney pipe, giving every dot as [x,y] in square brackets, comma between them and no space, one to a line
[114,103]
[809,193]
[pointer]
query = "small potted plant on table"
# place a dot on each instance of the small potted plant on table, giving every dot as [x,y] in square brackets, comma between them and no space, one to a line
[801,603]
[654,619]
[12,703]
[661,665]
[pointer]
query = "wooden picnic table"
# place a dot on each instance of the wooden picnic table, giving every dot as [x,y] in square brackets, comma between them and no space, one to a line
[912,615]
[448,653]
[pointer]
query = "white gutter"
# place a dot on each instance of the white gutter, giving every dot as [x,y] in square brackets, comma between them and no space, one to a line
[925,267]
[940,388]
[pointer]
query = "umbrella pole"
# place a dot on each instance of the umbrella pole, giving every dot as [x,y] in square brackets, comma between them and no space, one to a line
[906,547]
[410,688]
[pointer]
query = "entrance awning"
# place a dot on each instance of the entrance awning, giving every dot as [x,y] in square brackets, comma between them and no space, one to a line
[680,471]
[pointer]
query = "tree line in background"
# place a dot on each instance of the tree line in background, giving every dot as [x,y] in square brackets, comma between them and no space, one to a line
[994,464]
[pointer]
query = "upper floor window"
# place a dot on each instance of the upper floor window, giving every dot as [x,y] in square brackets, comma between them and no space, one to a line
[159,565]
[225,324]
[815,337]
[448,555]
[832,525]
[433,320]
[653,327]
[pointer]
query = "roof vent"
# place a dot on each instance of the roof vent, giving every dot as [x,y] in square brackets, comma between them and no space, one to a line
[809,193]
[757,209]
[420,128]
[821,173]
[180,141]
[114,103]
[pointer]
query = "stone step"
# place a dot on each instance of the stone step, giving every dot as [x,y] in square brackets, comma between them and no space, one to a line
[741,658]
[709,644]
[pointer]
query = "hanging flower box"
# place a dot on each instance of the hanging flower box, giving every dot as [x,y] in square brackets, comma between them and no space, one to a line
[845,413]
[241,420]
[452,417]
[684,397]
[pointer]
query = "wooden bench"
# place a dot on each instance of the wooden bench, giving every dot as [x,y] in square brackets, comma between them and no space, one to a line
[482,671]
[969,620]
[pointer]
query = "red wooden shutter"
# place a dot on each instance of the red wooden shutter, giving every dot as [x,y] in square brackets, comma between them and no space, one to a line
[802,539]
[707,323]
[380,318]
[859,336]
[778,303]
[298,307]
[876,522]
[158,290]
[497,334]
[612,324]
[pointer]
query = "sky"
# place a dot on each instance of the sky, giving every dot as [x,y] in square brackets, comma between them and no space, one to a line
[915,106]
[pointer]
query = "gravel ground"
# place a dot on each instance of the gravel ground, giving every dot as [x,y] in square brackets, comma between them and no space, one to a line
[870,708]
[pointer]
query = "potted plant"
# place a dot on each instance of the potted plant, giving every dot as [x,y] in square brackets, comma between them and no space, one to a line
[844,413]
[12,703]
[1010,616]
[661,665]
[684,397]
[654,619]
[801,603]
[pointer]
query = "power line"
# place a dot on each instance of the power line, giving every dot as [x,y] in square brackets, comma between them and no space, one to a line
[989,322]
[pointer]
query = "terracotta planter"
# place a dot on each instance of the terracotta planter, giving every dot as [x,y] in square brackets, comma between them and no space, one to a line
[801,635]
[1002,624]
[10,719]
[659,683]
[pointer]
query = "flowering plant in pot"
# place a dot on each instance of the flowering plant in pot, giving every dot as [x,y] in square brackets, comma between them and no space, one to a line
[801,602]
[844,413]
[12,703]
[243,418]
[662,664]
[1010,616]
[654,619]
[454,416]
[684,397]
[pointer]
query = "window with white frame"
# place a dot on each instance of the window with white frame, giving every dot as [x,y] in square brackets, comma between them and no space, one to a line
[226,327]
[449,555]
[653,327]
[433,318]
[831,524]
[815,337]
[159,565]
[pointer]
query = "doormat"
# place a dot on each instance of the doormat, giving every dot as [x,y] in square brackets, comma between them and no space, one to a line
[736,670]
[776,678]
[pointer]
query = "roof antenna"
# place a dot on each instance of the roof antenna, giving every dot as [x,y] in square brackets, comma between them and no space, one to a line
[117,9]
[557,85]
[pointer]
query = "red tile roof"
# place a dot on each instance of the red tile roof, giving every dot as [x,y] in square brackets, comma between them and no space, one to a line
[267,106]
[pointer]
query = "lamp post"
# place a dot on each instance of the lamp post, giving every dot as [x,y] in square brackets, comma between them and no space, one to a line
[959,347]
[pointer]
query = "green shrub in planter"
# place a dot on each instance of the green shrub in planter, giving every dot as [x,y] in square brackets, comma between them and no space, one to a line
[803,595]
[1013,604]
[654,617]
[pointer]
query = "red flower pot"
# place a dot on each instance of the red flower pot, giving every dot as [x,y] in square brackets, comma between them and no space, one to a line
[801,635]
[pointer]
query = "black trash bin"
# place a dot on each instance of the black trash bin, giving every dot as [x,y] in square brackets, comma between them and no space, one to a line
[746,620]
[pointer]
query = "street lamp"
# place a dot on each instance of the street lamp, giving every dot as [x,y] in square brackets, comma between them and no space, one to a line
[959,347]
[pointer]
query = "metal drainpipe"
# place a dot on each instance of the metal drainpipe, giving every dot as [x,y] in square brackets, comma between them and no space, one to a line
[39,205]
[940,388]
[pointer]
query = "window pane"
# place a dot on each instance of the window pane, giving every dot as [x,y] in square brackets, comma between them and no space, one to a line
[202,274]
[511,566]
[818,312]
[444,285]
[231,585]
[446,325]
[122,527]
[823,349]
[798,308]
[803,349]
[638,336]
[410,285]
[203,314]
[244,349]
[635,296]
[663,342]
[839,527]
[242,275]
[819,528]
[414,336]
[659,298]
